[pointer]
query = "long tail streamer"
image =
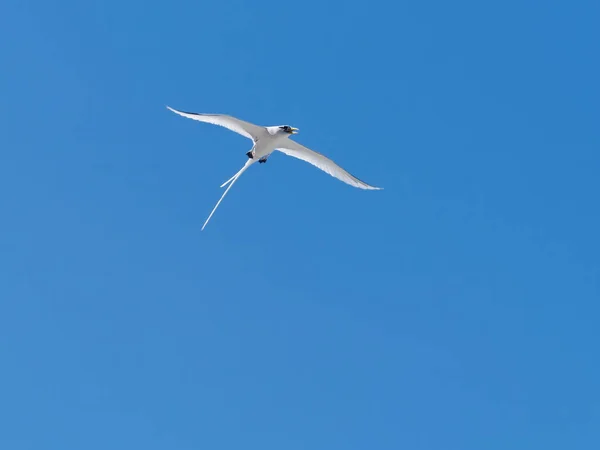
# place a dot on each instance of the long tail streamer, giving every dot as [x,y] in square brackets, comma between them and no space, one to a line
[231,182]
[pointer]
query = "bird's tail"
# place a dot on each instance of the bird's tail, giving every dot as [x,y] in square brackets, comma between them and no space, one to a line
[231,181]
[240,172]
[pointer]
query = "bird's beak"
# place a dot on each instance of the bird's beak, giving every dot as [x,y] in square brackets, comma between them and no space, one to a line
[295,130]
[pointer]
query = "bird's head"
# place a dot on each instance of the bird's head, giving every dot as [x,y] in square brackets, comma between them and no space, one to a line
[289,130]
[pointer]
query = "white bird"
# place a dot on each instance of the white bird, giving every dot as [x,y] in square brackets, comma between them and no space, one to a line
[265,141]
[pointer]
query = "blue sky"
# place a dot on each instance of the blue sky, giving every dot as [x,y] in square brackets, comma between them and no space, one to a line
[456,309]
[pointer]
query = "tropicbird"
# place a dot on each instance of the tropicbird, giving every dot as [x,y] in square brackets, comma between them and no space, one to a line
[266,140]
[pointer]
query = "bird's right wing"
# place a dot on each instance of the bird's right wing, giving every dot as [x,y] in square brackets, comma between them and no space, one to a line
[292,148]
[246,129]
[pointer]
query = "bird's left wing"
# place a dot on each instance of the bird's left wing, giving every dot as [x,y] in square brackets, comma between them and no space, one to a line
[246,129]
[292,148]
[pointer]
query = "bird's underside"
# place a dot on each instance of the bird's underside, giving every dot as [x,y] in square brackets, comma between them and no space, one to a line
[265,141]
[262,159]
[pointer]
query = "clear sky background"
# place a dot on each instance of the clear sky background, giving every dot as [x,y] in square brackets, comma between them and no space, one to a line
[456,309]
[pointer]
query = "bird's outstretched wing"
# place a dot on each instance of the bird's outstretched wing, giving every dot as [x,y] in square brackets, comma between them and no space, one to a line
[246,129]
[292,148]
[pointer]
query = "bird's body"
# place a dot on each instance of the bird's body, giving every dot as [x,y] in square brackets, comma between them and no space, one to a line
[266,142]
[268,139]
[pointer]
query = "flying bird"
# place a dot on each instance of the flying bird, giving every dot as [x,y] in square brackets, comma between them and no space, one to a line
[266,140]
